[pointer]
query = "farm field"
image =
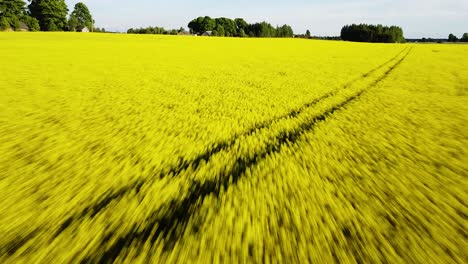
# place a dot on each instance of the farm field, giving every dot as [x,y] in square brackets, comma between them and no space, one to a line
[147,148]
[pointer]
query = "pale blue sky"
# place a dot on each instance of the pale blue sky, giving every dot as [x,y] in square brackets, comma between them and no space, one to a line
[419,18]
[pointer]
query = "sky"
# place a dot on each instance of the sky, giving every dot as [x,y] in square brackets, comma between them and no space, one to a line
[418,18]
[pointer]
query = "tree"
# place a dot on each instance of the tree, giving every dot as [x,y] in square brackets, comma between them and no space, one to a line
[83,16]
[241,24]
[11,12]
[148,30]
[220,30]
[4,23]
[238,27]
[72,23]
[229,26]
[372,33]
[195,25]
[464,37]
[308,34]
[51,14]
[452,38]
[12,8]
[32,23]
[242,33]
[207,24]
[284,31]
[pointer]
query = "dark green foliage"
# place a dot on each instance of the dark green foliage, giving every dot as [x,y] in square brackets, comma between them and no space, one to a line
[219,31]
[284,31]
[12,8]
[202,24]
[15,23]
[427,40]
[237,28]
[452,38]
[228,26]
[82,17]
[32,23]
[307,34]
[72,23]
[102,30]
[4,23]
[242,33]
[208,24]
[241,24]
[153,30]
[464,38]
[194,25]
[327,38]
[262,30]
[372,33]
[51,14]
[11,13]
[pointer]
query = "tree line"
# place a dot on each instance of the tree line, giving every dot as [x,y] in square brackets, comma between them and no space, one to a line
[372,33]
[44,15]
[155,30]
[226,27]
[453,38]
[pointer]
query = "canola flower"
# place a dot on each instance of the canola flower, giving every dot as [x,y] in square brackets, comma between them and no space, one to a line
[176,149]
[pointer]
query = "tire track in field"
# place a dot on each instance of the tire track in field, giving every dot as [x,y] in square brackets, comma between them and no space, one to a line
[185,164]
[92,210]
[11,247]
[171,226]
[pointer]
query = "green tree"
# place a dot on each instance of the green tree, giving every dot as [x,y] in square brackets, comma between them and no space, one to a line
[11,12]
[464,38]
[229,26]
[12,8]
[237,27]
[208,24]
[220,31]
[15,23]
[51,14]
[32,23]
[372,33]
[4,23]
[242,33]
[241,24]
[308,34]
[83,16]
[72,23]
[452,38]
[195,25]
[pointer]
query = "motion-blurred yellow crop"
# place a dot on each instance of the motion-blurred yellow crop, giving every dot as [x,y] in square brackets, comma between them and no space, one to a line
[140,149]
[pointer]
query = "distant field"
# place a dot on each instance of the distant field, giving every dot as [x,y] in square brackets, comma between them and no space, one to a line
[142,148]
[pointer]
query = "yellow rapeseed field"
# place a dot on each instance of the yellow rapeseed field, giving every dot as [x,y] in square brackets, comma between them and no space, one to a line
[163,149]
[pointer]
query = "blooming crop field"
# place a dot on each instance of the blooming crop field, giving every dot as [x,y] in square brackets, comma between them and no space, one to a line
[146,148]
